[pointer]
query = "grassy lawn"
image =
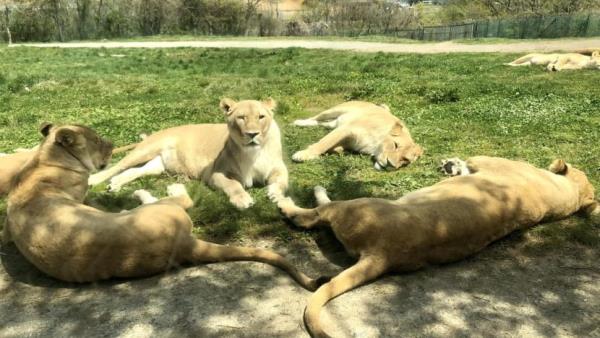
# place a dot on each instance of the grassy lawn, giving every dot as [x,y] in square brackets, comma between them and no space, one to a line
[454,104]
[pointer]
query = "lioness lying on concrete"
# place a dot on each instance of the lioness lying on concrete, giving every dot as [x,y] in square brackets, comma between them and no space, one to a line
[77,243]
[448,221]
[366,128]
[574,61]
[230,157]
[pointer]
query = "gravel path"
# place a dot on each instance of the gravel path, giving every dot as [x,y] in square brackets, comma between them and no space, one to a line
[502,292]
[358,46]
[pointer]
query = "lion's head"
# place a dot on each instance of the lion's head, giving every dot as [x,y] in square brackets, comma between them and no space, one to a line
[586,190]
[79,142]
[248,121]
[397,149]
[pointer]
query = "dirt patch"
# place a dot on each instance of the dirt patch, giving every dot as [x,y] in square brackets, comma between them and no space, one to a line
[357,46]
[504,291]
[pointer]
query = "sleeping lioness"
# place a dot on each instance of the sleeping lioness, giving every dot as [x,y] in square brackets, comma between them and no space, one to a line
[534,59]
[230,157]
[366,128]
[574,61]
[442,223]
[77,243]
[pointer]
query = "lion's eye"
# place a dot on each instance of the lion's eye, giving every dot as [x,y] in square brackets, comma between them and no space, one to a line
[261,117]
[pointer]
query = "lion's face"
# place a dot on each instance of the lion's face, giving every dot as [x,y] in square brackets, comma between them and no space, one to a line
[82,143]
[248,121]
[586,190]
[397,149]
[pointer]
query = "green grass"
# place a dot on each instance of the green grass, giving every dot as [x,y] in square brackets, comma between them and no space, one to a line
[454,104]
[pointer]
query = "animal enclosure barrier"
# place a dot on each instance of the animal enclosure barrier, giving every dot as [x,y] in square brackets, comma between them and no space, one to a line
[580,25]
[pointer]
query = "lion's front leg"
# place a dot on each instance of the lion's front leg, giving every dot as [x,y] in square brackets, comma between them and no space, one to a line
[332,140]
[233,189]
[277,183]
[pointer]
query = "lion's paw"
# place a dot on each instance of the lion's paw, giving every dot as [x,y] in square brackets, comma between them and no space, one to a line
[144,196]
[177,189]
[242,201]
[304,155]
[306,123]
[454,167]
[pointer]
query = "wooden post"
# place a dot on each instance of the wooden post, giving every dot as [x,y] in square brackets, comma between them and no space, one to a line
[7,22]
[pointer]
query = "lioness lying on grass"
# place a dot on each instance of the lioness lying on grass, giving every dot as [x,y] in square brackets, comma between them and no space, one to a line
[442,223]
[366,128]
[574,61]
[534,59]
[230,157]
[74,242]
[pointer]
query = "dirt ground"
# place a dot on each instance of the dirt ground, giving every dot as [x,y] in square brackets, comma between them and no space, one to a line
[358,46]
[505,291]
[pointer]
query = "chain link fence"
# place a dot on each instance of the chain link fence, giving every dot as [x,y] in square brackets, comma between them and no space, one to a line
[537,27]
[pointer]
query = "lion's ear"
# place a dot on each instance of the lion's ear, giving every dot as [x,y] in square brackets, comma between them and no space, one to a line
[558,167]
[65,137]
[397,129]
[270,104]
[226,105]
[45,128]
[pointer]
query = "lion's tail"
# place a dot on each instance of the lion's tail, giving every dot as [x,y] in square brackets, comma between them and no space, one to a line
[206,252]
[365,270]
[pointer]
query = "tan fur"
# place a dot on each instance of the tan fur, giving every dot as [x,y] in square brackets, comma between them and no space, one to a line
[587,51]
[442,223]
[574,61]
[77,243]
[534,59]
[366,128]
[11,164]
[230,157]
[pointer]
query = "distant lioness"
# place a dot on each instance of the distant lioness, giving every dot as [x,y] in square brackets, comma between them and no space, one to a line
[534,59]
[77,243]
[574,61]
[448,221]
[230,157]
[366,128]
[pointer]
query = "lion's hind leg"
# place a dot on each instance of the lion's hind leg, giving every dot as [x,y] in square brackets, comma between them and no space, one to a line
[153,167]
[327,118]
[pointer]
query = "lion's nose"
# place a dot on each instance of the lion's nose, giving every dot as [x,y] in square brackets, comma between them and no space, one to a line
[252,134]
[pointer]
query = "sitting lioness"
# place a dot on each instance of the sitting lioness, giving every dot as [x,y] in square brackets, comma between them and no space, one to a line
[11,164]
[574,61]
[77,243]
[230,157]
[366,128]
[446,222]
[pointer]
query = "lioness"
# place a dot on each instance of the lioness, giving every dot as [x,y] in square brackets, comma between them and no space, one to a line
[11,164]
[534,59]
[230,157]
[366,128]
[77,243]
[448,221]
[574,61]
